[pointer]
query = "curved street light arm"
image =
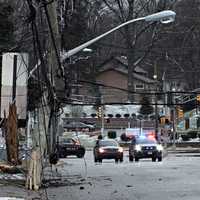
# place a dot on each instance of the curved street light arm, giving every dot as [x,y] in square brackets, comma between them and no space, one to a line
[81,47]
[165,16]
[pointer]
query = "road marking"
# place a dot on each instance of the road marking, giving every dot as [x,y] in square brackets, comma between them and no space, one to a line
[11,198]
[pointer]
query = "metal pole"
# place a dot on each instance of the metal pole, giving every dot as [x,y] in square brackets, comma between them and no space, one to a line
[102,117]
[174,123]
[14,78]
[156,100]
[156,113]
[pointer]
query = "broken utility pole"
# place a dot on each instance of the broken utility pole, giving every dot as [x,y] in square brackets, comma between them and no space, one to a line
[11,135]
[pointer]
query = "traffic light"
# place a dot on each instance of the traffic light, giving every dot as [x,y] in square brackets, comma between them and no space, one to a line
[108,120]
[198,122]
[198,98]
[162,120]
[187,123]
[180,113]
[167,121]
[99,112]
[169,99]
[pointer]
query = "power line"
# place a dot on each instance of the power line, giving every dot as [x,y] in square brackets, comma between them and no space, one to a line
[136,92]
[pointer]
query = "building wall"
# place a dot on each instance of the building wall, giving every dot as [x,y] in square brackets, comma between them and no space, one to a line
[21,83]
[115,79]
[119,80]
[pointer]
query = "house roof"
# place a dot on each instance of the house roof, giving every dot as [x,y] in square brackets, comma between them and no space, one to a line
[122,63]
[123,60]
[124,70]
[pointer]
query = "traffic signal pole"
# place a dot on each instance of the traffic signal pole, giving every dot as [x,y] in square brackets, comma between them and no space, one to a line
[102,116]
[174,122]
[156,100]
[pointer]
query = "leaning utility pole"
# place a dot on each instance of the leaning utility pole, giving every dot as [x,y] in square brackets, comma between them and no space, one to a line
[54,65]
[49,70]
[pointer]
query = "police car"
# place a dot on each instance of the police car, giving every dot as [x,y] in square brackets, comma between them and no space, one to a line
[145,147]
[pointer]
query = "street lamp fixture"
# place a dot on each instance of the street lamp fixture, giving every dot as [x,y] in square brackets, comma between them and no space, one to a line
[166,16]
[155,76]
[87,50]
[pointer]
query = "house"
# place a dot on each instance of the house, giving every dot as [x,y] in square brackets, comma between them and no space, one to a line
[114,74]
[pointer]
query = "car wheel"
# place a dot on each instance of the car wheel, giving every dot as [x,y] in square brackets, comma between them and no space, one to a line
[130,158]
[116,160]
[153,159]
[61,155]
[80,153]
[159,159]
[121,159]
[136,159]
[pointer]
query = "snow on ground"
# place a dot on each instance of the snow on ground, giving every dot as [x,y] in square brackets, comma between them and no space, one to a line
[175,178]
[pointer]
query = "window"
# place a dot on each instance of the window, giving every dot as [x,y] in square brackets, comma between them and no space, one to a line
[139,86]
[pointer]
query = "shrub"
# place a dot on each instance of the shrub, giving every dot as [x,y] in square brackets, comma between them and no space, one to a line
[110,115]
[118,115]
[112,134]
[192,134]
[126,115]
[185,137]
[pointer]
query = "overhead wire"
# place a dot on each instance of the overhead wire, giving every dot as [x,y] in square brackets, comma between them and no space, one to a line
[53,38]
[137,92]
[37,48]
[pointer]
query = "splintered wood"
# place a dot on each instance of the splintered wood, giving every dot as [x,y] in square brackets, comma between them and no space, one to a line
[33,181]
[11,135]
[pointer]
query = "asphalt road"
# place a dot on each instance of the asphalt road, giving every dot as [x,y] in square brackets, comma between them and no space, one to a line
[176,177]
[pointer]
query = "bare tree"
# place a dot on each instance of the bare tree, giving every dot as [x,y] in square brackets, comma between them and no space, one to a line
[178,49]
[136,36]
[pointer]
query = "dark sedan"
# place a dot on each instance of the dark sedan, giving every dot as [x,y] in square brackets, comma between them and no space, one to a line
[144,147]
[70,146]
[108,149]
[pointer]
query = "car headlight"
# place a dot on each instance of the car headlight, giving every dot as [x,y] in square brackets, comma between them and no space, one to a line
[101,150]
[138,147]
[159,147]
[120,149]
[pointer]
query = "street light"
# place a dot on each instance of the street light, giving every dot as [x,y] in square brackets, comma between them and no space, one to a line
[166,16]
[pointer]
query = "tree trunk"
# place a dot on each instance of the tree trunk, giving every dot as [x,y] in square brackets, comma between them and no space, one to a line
[129,31]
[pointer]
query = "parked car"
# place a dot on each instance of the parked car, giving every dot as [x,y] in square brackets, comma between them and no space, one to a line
[145,147]
[108,149]
[70,146]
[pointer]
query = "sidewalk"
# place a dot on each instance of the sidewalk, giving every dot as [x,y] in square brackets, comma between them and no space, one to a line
[187,149]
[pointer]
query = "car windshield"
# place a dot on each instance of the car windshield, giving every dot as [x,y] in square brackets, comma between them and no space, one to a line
[145,141]
[67,140]
[104,143]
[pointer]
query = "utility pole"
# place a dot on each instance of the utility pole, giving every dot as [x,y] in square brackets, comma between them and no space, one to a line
[155,76]
[54,65]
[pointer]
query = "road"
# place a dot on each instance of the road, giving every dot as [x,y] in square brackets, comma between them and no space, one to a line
[176,177]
